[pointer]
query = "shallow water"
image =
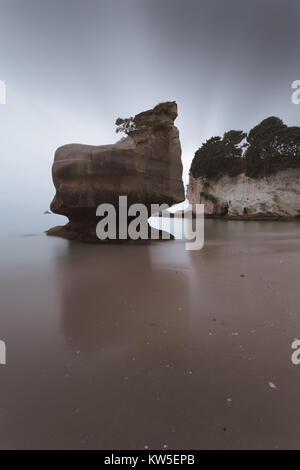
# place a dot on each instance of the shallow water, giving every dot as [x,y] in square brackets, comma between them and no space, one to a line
[122,346]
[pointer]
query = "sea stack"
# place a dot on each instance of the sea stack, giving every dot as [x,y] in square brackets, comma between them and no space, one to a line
[145,166]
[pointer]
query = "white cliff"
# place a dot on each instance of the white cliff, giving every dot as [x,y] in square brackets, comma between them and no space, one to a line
[275,196]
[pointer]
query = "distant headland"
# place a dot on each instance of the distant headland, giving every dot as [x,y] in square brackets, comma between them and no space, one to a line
[249,176]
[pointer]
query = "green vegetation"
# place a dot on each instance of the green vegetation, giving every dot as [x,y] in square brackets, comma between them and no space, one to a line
[131,124]
[218,157]
[271,146]
[126,125]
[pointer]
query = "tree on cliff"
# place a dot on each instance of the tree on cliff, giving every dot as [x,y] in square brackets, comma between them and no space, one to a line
[218,157]
[262,151]
[126,125]
[272,146]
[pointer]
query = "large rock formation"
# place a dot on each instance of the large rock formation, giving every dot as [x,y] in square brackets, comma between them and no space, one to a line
[145,166]
[272,197]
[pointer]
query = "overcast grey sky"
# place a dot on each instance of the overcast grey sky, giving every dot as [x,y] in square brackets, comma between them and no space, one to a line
[72,66]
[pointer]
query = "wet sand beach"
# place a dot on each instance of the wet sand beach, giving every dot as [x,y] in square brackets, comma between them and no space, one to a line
[127,347]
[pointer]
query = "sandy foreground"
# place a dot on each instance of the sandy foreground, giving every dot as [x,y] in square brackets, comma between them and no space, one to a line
[122,347]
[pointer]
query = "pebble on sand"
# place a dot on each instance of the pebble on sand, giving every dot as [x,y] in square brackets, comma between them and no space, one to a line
[272,385]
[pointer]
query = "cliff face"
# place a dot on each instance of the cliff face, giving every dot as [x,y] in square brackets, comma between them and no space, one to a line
[276,196]
[145,166]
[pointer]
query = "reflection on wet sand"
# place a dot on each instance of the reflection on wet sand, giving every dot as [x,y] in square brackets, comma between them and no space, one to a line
[122,347]
[116,300]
